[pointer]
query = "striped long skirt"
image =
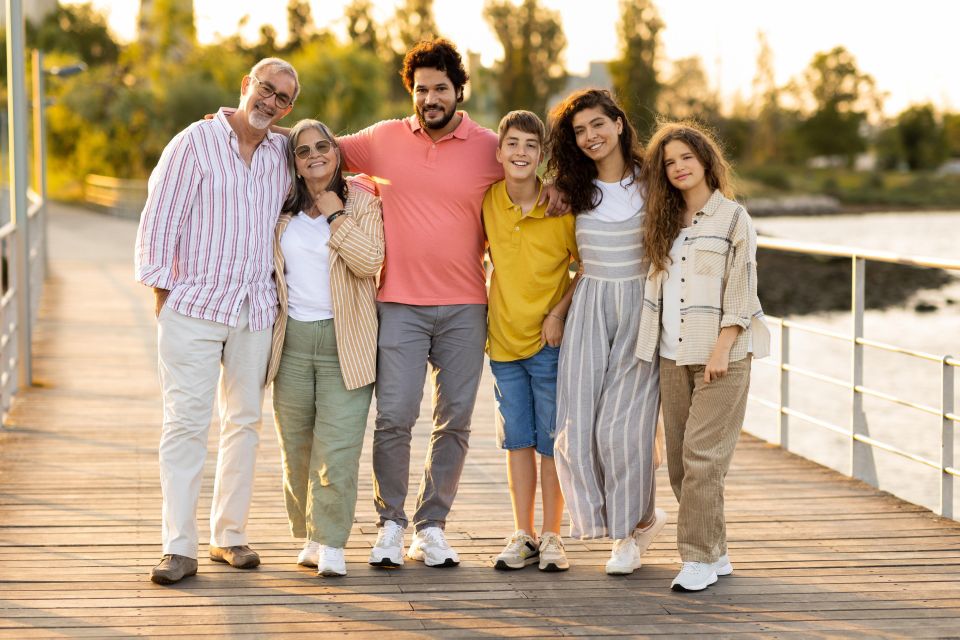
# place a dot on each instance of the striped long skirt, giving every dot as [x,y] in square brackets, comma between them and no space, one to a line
[607,405]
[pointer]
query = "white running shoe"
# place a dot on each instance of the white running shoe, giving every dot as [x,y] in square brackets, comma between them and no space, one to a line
[552,555]
[645,536]
[331,562]
[388,550]
[722,566]
[309,554]
[624,558]
[430,547]
[521,550]
[694,576]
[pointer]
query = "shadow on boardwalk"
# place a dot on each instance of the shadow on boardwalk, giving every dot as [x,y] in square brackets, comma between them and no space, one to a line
[815,554]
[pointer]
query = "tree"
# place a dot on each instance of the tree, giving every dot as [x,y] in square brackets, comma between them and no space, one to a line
[770,119]
[361,29]
[75,29]
[634,73]
[687,93]
[300,27]
[412,22]
[951,132]
[921,137]
[533,42]
[842,98]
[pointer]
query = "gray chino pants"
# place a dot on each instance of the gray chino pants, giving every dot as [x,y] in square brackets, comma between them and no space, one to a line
[450,339]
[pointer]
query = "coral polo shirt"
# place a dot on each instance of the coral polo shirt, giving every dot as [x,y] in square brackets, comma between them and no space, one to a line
[432,194]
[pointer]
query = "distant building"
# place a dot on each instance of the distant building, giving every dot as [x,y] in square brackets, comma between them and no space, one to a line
[598,77]
[33,10]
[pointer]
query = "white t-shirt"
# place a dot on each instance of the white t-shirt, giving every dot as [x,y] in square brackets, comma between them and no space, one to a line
[670,309]
[621,200]
[307,268]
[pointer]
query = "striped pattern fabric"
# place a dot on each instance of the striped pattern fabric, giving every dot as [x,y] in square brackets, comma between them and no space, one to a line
[607,399]
[206,231]
[356,255]
[719,271]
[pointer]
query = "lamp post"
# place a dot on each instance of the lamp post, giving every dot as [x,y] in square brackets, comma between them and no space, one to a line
[40,136]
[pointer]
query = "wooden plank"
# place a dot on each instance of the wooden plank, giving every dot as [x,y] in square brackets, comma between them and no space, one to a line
[815,553]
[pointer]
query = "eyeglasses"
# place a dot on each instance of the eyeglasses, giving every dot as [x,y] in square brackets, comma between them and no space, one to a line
[265,90]
[320,146]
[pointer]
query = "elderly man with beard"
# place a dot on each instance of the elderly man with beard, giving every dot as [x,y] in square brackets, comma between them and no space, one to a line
[205,246]
[434,168]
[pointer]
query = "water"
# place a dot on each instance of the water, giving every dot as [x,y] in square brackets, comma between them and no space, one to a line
[928,234]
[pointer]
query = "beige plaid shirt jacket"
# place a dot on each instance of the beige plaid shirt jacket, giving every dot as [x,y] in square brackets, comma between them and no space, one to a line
[719,272]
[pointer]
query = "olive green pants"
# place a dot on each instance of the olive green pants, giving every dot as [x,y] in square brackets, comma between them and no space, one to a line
[320,425]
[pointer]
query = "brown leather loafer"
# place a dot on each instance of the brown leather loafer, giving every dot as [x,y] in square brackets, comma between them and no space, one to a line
[173,568]
[242,557]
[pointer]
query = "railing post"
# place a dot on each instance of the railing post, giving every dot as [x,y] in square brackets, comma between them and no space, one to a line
[947,427]
[784,386]
[17,110]
[40,154]
[861,456]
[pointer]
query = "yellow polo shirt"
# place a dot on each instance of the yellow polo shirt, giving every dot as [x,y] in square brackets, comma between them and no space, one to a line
[531,257]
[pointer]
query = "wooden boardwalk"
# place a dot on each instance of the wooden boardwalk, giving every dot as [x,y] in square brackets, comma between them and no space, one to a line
[816,554]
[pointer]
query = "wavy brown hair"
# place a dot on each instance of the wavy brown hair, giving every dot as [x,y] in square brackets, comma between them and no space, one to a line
[572,170]
[664,203]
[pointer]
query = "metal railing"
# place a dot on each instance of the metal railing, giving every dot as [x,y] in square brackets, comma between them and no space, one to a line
[23,237]
[861,444]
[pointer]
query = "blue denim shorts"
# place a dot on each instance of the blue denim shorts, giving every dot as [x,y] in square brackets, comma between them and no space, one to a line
[526,395]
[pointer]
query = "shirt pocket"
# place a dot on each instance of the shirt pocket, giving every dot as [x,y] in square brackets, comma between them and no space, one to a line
[710,256]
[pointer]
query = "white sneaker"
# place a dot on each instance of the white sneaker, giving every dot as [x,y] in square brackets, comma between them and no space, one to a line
[645,536]
[521,550]
[694,576]
[430,547]
[331,562]
[308,556]
[552,555]
[388,550]
[722,566]
[624,558]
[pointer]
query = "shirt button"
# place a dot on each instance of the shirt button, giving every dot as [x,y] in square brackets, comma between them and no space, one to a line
[683,259]
[680,339]
[516,228]
[682,280]
[681,299]
[695,221]
[681,320]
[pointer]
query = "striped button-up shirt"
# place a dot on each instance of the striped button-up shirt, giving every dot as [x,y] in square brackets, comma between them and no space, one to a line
[718,271]
[206,232]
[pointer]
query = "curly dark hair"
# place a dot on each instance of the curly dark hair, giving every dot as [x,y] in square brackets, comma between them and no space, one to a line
[440,54]
[298,197]
[571,169]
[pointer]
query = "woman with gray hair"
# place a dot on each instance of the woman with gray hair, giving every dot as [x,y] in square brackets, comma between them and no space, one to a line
[328,251]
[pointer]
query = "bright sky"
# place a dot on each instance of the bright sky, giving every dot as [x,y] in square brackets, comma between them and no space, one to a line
[911,48]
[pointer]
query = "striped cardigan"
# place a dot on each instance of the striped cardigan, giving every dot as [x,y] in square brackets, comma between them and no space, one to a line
[356,255]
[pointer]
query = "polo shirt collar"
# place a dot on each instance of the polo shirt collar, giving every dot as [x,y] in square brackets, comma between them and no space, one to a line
[504,201]
[711,206]
[462,131]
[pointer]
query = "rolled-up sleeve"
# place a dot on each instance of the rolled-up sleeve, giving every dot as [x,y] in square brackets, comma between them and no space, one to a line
[171,193]
[740,301]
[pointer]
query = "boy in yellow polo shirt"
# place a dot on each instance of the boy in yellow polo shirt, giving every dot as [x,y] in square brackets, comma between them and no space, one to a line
[530,293]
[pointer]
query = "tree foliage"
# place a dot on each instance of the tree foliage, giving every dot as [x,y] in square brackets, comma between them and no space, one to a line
[839,98]
[75,29]
[634,73]
[533,43]
[362,30]
[687,92]
[921,138]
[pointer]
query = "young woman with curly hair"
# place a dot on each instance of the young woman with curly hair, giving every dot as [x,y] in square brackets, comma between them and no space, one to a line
[607,399]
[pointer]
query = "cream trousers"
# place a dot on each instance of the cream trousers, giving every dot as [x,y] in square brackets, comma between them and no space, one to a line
[194,355]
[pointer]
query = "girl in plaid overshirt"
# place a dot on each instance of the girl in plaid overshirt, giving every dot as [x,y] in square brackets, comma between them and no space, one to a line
[701,311]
